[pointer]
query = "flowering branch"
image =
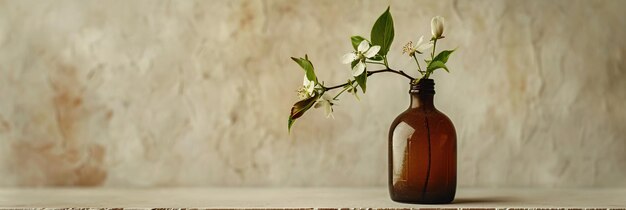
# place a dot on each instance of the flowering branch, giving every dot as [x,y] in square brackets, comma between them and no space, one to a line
[373,51]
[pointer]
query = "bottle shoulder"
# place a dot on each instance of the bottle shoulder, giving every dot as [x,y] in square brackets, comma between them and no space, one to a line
[417,116]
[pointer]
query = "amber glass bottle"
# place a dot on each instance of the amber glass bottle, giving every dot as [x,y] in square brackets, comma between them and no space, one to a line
[422,151]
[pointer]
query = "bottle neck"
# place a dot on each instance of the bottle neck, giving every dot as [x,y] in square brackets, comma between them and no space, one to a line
[422,94]
[422,100]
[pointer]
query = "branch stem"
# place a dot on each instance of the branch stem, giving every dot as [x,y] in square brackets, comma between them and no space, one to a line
[419,68]
[372,62]
[432,57]
[338,94]
[369,73]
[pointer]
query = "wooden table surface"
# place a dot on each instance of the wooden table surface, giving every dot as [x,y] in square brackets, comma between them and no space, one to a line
[310,198]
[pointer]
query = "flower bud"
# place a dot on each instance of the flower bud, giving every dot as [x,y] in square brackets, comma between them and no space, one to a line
[436,27]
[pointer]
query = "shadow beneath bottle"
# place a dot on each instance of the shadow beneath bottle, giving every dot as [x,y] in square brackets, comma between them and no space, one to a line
[484,200]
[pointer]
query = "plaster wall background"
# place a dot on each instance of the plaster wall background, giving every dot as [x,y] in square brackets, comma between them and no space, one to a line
[197,93]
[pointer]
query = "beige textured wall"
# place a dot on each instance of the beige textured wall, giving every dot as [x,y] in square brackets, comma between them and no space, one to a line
[196,93]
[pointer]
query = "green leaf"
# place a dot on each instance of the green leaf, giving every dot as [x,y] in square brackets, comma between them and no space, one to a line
[361,79]
[306,64]
[382,32]
[376,58]
[432,66]
[299,108]
[356,40]
[443,56]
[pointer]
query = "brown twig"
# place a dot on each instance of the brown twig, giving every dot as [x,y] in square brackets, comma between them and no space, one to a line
[369,73]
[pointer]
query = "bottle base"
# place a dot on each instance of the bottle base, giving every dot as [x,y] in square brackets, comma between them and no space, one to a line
[419,198]
[423,201]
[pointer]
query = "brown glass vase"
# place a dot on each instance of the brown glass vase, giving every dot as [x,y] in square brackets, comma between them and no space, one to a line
[422,151]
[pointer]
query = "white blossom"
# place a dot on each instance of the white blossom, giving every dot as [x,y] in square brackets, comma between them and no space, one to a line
[307,88]
[436,27]
[363,52]
[326,102]
[419,48]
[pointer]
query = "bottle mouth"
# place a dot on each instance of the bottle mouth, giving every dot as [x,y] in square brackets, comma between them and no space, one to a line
[424,86]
